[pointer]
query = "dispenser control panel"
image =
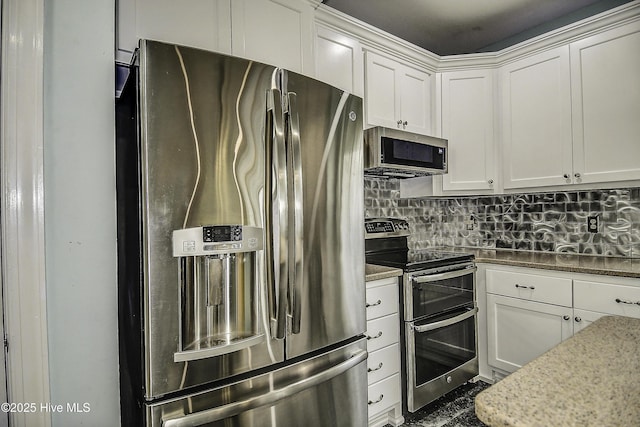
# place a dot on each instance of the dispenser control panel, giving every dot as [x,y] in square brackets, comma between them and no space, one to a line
[216,239]
[222,233]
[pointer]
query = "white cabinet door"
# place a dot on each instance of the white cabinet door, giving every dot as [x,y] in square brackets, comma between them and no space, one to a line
[397,95]
[519,330]
[204,24]
[277,32]
[339,60]
[415,100]
[605,81]
[467,122]
[382,103]
[536,114]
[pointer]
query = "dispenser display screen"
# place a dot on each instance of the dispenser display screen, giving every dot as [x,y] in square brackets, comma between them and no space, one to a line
[222,233]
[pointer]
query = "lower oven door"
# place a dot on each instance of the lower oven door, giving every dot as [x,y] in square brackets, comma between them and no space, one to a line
[441,354]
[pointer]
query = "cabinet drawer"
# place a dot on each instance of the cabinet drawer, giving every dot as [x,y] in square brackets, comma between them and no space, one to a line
[382,363]
[531,287]
[605,298]
[382,300]
[382,332]
[383,395]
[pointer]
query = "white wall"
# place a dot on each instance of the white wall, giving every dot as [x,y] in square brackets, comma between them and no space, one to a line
[80,209]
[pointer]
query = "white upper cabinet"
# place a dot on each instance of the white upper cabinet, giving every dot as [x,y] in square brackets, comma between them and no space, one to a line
[467,122]
[398,95]
[204,24]
[605,78]
[277,32]
[536,120]
[339,60]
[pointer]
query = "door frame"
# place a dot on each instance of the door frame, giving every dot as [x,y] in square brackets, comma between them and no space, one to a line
[22,207]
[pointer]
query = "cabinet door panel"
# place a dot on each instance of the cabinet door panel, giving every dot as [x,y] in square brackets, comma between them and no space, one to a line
[204,24]
[467,122]
[519,331]
[415,100]
[380,81]
[275,32]
[536,103]
[339,60]
[606,105]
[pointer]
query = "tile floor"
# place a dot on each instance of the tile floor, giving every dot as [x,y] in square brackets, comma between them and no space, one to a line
[455,409]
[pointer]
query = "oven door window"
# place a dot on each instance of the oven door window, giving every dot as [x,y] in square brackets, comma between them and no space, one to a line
[437,293]
[442,349]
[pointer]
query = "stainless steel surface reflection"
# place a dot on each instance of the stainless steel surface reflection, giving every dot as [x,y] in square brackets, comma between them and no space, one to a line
[210,147]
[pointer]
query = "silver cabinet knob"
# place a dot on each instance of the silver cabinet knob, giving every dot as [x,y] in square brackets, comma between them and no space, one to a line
[566,176]
[399,123]
[405,123]
[578,319]
[490,182]
[577,175]
[565,317]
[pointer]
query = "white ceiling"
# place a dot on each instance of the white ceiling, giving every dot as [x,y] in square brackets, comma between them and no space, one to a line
[448,27]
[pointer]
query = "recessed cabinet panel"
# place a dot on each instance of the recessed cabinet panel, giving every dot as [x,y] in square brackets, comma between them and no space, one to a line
[415,101]
[380,97]
[339,60]
[520,330]
[606,105]
[467,122]
[536,114]
[204,24]
[274,32]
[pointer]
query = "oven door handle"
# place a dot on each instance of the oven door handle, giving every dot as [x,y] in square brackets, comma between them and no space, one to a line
[443,276]
[447,322]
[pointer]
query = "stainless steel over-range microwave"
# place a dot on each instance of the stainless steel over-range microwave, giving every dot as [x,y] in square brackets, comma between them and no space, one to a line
[399,154]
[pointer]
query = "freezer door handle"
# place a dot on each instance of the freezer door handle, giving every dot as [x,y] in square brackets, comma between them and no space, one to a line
[276,214]
[295,158]
[235,408]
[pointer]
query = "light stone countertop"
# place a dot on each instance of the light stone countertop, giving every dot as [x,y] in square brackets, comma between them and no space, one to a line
[377,272]
[591,379]
[608,266]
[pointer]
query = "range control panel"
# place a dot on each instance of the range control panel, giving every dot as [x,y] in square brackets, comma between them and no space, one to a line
[385,227]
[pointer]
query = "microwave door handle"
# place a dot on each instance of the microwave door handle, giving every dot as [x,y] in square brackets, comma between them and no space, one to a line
[277,217]
[298,220]
[270,398]
[446,322]
[443,276]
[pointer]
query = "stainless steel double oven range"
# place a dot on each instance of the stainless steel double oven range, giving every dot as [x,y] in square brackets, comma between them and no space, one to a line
[439,351]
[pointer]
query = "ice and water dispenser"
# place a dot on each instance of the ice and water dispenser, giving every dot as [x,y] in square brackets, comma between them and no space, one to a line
[219,289]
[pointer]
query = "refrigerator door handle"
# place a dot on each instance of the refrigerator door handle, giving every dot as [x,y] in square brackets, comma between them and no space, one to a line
[298,220]
[276,214]
[235,408]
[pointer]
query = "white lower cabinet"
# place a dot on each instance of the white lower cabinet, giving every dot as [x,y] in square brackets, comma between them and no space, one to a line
[383,345]
[521,330]
[529,311]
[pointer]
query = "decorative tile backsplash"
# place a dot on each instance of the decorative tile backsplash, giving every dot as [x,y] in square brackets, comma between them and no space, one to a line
[553,221]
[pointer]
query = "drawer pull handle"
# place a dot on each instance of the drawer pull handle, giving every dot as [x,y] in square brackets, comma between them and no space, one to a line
[373,304]
[373,402]
[375,369]
[621,301]
[524,287]
[369,337]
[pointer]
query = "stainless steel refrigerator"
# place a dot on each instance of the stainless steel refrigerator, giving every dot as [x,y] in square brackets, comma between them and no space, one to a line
[241,246]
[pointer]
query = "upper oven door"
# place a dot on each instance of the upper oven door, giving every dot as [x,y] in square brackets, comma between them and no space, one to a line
[428,294]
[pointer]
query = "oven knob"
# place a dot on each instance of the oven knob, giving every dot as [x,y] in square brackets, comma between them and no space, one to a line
[449,379]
